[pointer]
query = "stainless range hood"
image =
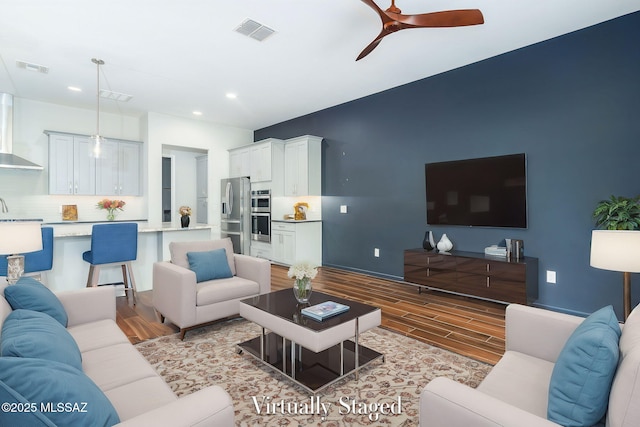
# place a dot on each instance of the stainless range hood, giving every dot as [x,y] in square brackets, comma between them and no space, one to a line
[8,160]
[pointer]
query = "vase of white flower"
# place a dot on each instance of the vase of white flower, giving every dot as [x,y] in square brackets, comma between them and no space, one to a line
[303,274]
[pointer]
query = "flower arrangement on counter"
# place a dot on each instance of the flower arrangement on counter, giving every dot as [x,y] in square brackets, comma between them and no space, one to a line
[184,211]
[303,273]
[111,206]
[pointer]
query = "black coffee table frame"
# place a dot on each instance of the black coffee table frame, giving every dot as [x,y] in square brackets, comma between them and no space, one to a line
[312,370]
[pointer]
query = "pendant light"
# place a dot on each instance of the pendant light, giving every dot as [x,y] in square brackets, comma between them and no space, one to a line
[96,139]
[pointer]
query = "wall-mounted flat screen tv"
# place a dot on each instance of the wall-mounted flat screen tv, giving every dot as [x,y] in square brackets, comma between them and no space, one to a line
[482,192]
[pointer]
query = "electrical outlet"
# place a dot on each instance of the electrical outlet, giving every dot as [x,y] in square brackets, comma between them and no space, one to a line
[343,208]
[551,276]
[376,252]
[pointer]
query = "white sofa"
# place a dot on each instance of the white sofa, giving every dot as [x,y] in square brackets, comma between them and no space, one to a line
[188,304]
[137,393]
[515,393]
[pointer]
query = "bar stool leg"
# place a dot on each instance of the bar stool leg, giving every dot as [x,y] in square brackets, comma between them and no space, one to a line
[94,273]
[133,281]
[125,280]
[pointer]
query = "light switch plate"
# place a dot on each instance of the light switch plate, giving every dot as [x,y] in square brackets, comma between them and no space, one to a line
[343,208]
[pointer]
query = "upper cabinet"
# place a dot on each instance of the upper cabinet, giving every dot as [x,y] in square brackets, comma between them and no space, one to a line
[71,167]
[118,168]
[73,170]
[261,161]
[302,166]
[240,162]
[292,167]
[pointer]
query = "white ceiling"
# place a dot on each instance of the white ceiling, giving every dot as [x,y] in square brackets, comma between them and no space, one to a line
[177,56]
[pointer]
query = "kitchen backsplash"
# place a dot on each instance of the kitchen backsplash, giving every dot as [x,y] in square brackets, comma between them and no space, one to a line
[282,206]
[49,207]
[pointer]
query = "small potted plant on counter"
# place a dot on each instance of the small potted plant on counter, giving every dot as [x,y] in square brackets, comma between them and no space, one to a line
[185,214]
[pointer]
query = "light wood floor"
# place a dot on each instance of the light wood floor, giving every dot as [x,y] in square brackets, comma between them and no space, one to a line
[467,326]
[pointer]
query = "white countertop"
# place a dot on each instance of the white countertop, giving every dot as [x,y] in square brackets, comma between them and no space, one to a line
[84,229]
[296,220]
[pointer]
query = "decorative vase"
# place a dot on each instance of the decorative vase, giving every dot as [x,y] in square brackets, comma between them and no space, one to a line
[445,245]
[111,214]
[302,289]
[184,221]
[428,243]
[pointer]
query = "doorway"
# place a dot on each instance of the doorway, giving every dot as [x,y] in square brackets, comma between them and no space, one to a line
[167,187]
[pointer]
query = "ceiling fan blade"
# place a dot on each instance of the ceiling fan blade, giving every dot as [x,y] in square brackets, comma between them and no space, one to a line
[393,20]
[380,12]
[367,50]
[447,18]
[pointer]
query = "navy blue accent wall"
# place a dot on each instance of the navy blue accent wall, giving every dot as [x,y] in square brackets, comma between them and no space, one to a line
[572,104]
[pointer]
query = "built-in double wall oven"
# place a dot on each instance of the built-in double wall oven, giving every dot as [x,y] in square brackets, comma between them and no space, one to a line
[261,215]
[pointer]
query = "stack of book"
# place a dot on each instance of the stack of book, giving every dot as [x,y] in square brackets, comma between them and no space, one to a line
[324,310]
[496,251]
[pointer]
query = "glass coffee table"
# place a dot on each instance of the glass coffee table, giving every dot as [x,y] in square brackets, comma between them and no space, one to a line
[312,353]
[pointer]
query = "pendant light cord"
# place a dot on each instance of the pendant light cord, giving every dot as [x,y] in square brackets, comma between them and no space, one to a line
[98,63]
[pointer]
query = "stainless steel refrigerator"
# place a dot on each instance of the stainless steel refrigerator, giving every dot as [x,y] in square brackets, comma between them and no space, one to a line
[236,213]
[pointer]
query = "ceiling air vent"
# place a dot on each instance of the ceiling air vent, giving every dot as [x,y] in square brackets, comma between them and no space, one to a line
[255,30]
[32,67]
[115,96]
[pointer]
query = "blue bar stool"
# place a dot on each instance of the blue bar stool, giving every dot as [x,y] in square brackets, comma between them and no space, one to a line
[113,244]
[37,263]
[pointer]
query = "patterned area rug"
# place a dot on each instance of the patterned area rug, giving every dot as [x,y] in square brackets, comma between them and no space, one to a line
[386,394]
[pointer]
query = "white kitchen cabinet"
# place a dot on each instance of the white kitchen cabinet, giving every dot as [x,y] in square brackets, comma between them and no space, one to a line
[71,166]
[262,161]
[261,250]
[294,242]
[240,162]
[118,168]
[302,166]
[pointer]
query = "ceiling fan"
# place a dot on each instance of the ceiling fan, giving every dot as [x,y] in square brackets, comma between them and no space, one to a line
[393,20]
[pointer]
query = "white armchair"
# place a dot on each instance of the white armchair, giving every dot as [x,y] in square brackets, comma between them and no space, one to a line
[188,304]
[515,393]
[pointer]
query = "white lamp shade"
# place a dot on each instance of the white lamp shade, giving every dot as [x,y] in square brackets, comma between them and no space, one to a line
[616,250]
[18,237]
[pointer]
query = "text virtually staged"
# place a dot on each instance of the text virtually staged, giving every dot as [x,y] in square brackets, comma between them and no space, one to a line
[315,405]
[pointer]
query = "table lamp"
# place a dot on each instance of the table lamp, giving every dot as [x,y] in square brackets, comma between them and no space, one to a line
[17,238]
[617,250]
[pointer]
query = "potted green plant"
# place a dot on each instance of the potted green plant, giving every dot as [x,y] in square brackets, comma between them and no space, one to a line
[618,213]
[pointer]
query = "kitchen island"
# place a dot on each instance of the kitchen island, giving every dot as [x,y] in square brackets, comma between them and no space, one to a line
[71,240]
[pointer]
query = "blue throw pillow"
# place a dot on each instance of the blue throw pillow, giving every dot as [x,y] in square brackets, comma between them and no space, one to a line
[27,333]
[582,376]
[49,385]
[209,265]
[30,294]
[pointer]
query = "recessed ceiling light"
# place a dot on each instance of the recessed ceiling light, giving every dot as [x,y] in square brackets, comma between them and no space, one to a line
[74,89]
[231,95]
[197,113]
